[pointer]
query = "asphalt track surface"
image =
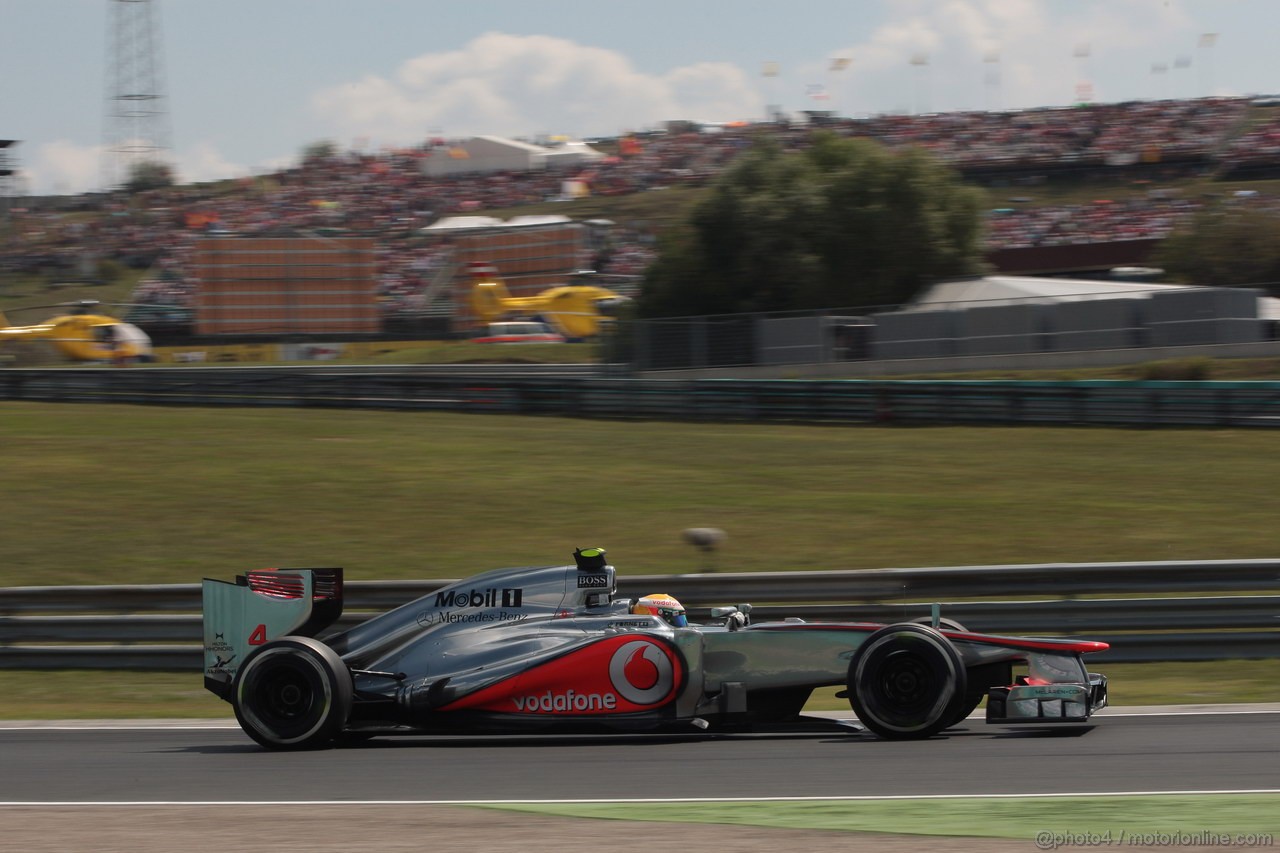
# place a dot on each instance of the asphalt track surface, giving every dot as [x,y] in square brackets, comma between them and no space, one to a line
[1162,752]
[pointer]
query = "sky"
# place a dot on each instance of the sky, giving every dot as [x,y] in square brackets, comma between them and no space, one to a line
[246,85]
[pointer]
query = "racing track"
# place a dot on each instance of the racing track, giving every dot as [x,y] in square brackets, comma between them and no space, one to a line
[1155,753]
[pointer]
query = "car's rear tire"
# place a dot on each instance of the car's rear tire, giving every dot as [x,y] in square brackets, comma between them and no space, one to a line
[293,693]
[907,681]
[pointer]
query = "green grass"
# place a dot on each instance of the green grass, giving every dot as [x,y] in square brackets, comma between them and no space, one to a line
[95,694]
[1128,819]
[125,494]
[464,352]
[19,295]
[116,494]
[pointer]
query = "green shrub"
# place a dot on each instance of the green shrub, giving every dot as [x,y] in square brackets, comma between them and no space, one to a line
[109,270]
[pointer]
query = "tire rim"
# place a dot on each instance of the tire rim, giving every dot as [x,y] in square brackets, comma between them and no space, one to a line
[906,685]
[286,700]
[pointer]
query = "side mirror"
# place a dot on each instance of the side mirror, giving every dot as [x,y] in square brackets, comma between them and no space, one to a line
[734,617]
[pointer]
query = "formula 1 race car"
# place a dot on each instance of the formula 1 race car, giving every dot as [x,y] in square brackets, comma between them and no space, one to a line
[553,648]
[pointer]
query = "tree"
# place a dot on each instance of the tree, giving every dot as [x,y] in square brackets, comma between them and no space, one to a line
[1225,246]
[324,149]
[149,175]
[844,223]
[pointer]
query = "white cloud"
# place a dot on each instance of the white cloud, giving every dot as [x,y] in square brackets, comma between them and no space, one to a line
[203,162]
[62,168]
[711,91]
[514,85]
[1034,43]
[525,85]
[66,168]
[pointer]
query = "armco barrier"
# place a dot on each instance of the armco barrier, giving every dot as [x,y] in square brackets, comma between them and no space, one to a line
[1000,617]
[158,627]
[1060,580]
[846,401]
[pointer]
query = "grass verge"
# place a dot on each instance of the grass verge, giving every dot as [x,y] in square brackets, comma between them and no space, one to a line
[136,494]
[1049,822]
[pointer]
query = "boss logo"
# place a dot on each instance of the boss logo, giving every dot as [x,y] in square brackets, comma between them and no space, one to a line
[593,581]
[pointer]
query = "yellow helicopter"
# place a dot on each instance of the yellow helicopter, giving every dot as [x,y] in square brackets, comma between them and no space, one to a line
[576,311]
[83,335]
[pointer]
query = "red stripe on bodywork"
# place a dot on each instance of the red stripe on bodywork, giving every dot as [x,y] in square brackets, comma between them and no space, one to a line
[1039,644]
[617,675]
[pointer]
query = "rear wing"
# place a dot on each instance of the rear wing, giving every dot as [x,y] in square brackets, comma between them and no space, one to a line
[261,606]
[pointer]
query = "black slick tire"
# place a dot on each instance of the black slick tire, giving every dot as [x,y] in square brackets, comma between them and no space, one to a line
[907,681]
[293,693]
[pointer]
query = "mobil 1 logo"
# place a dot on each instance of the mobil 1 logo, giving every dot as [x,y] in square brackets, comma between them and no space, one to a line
[491,597]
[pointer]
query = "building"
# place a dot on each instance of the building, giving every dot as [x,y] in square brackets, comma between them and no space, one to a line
[484,154]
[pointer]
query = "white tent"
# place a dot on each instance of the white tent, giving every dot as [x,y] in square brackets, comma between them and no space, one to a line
[538,219]
[573,155]
[1023,290]
[473,223]
[481,154]
[464,223]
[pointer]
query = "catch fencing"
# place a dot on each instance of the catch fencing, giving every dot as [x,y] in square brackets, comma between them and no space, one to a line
[1168,611]
[845,401]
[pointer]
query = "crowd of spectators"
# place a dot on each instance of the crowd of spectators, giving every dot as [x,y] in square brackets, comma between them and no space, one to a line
[1259,146]
[1096,221]
[389,197]
[1095,134]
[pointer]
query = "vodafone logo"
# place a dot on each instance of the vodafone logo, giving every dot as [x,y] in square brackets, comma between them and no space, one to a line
[625,674]
[641,671]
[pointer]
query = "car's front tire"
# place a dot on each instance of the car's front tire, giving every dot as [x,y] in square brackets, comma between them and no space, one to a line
[293,693]
[943,623]
[976,692]
[907,681]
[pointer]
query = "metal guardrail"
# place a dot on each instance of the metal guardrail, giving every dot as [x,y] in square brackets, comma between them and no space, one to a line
[847,401]
[1109,615]
[1060,580]
[158,626]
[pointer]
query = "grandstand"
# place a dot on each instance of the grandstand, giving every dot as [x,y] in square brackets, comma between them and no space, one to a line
[1154,164]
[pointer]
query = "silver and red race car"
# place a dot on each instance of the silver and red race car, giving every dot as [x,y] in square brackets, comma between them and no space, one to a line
[554,648]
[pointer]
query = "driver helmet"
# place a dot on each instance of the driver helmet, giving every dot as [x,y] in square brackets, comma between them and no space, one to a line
[664,607]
